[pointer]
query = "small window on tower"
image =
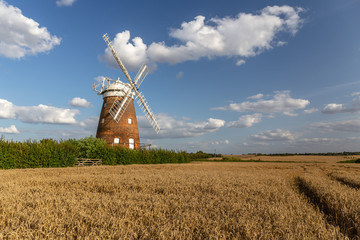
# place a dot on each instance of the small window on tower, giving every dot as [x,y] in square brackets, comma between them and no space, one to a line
[103,120]
[131,143]
[116,140]
[129,120]
[105,104]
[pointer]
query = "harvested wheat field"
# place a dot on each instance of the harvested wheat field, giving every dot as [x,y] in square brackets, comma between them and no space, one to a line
[202,200]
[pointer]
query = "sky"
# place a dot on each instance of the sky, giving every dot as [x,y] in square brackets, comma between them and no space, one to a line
[231,77]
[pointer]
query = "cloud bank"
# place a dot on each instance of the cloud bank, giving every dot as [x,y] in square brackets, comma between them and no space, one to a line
[244,35]
[172,127]
[340,126]
[21,36]
[281,103]
[37,114]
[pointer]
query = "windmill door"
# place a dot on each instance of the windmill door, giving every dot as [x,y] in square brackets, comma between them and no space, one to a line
[131,143]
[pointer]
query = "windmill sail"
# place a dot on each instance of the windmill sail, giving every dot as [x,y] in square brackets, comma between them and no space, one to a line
[146,109]
[140,76]
[106,38]
[118,108]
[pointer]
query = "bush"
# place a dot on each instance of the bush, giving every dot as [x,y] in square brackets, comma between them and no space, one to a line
[91,147]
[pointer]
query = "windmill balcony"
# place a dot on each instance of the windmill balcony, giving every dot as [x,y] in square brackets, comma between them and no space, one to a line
[144,146]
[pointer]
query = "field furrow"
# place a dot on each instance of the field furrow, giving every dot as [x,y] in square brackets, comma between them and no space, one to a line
[351,179]
[339,202]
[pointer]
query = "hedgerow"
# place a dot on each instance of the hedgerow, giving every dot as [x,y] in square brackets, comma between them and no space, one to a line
[63,153]
[32,154]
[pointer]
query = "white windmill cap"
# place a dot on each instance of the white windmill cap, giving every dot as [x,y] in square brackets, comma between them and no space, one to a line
[117,89]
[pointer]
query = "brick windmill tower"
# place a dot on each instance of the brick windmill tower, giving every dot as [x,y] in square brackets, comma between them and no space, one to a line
[117,122]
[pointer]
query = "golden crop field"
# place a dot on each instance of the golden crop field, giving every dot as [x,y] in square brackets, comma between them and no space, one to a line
[297,158]
[199,200]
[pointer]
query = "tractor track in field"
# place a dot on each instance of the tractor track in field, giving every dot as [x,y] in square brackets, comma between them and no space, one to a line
[345,181]
[332,216]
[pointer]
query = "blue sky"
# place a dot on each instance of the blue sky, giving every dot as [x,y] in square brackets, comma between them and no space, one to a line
[230,76]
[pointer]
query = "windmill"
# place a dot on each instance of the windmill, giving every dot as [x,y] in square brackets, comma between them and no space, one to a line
[117,122]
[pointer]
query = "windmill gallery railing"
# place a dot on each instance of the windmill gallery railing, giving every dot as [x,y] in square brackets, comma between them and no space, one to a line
[144,146]
[88,162]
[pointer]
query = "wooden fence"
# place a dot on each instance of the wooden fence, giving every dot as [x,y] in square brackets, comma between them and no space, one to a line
[88,162]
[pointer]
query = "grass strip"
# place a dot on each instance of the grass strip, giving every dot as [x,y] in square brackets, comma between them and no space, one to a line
[350,161]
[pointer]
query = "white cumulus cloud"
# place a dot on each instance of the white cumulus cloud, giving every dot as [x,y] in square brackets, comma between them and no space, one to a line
[333,108]
[61,3]
[80,102]
[245,121]
[173,127]
[7,109]
[12,130]
[37,114]
[21,36]
[273,135]
[132,54]
[244,35]
[281,102]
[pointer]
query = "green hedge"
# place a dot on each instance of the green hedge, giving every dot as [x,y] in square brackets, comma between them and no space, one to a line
[202,155]
[51,153]
[97,148]
[31,154]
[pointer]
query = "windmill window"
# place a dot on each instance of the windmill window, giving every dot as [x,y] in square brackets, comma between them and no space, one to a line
[103,120]
[116,140]
[129,120]
[105,104]
[131,143]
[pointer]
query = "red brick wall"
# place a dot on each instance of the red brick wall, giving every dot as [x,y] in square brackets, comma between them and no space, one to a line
[110,129]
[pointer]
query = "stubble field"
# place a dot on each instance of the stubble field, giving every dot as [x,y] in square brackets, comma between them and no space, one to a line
[200,200]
